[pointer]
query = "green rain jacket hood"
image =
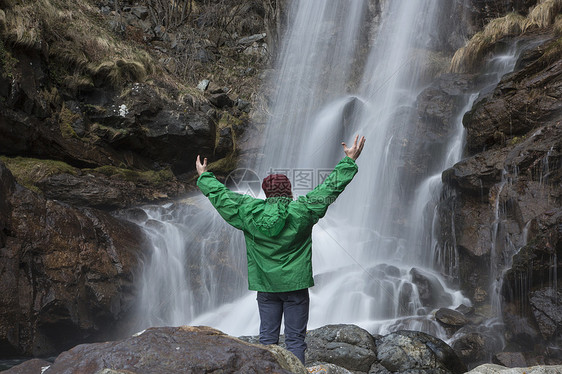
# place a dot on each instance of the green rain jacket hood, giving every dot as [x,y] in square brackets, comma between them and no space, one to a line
[278,230]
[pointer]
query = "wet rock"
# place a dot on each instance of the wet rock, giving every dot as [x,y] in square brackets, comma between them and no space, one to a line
[466,310]
[348,346]
[510,359]
[411,350]
[451,317]
[33,366]
[471,348]
[108,193]
[327,369]
[66,274]
[498,369]
[521,331]
[174,350]
[377,368]
[545,304]
[478,174]
[503,114]
[439,104]
[431,291]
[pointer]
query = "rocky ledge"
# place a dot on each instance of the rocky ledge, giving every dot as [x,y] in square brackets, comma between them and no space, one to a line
[332,349]
[66,273]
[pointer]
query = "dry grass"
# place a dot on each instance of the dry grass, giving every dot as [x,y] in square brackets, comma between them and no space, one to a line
[545,13]
[78,39]
[558,25]
[469,57]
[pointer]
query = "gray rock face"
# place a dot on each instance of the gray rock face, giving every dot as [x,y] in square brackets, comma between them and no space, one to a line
[348,346]
[546,308]
[504,204]
[412,351]
[66,274]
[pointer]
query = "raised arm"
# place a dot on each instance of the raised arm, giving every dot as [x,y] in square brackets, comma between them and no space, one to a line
[319,199]
[225,201]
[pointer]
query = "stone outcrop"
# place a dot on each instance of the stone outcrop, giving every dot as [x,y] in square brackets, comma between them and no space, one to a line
[66,274]
[347,346]
[334,349]
[174,350]
[124,101]
[504,199]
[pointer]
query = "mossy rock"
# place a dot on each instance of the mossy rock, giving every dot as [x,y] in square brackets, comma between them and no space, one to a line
[29,171]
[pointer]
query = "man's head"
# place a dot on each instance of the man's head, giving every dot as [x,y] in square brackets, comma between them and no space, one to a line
[277,185]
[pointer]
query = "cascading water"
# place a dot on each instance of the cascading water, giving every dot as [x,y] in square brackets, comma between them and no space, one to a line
[373,251]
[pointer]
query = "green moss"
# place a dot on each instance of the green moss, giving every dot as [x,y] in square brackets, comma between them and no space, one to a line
[7,62]
[517,139]
[151,177]
[227,120]
[29,171]
[66,119]
[224,165]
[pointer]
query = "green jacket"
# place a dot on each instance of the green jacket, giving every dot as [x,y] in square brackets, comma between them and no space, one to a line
[278,230]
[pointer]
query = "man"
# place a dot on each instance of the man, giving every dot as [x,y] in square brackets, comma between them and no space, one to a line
[278,234]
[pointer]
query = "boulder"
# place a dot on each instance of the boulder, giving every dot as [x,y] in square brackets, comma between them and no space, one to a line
[451,317]
[348,346]
[172,350]
[471,348]
[410,351]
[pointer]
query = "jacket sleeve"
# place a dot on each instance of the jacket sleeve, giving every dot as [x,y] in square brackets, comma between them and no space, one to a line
[226,202]
[319,199]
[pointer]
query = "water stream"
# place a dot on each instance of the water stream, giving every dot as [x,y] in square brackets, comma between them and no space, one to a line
[338,75]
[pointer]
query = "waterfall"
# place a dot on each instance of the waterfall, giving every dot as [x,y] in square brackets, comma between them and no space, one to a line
[368,262]
[373,254]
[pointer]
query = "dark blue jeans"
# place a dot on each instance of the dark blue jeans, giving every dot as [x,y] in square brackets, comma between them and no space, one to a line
[294,307]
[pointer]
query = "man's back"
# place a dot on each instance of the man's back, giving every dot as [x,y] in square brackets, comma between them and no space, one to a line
[278,230]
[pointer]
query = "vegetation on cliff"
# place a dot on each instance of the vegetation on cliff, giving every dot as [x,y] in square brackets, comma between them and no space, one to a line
[101,83]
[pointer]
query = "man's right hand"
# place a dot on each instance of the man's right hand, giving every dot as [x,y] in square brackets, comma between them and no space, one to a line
[201,167]
[355,149]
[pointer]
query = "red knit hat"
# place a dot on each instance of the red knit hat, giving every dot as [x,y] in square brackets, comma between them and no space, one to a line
[277,185]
